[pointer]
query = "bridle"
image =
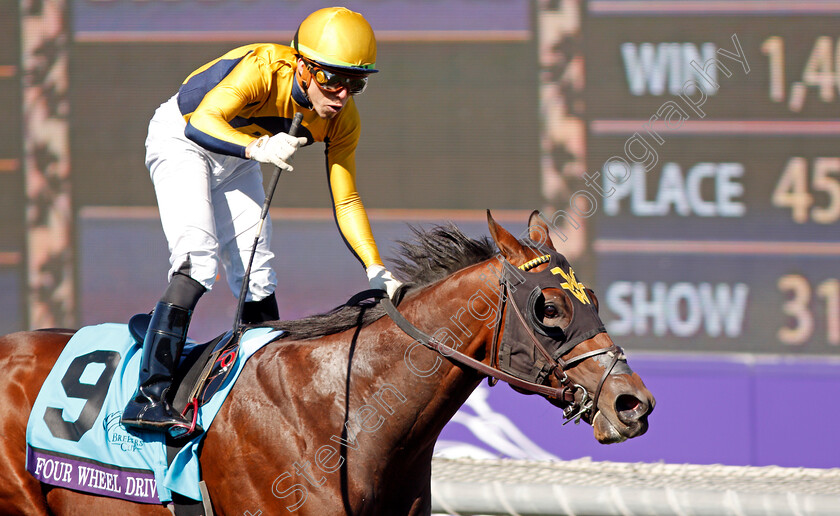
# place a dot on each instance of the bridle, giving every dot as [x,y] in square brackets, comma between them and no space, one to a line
[572,397]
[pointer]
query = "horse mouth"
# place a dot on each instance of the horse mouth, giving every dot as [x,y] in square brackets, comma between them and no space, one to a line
[630,420]
[605,431]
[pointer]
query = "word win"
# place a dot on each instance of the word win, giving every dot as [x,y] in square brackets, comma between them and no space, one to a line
[659,68]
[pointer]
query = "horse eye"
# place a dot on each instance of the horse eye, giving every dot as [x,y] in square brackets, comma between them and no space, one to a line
[550,311]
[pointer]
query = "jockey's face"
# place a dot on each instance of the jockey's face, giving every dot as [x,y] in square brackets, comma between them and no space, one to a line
[326,104]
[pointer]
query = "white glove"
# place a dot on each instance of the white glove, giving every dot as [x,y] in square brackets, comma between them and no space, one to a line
[278,149]
[381,279]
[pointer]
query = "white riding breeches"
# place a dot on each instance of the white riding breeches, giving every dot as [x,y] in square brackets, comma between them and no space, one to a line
[210,206]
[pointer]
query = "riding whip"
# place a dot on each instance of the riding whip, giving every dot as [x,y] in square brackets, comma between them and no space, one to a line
[237,321]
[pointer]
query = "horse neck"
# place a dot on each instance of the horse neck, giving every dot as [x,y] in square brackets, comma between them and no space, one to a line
[459,311]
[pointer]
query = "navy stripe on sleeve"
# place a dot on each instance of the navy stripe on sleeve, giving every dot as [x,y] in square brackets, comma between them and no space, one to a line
[193,91]
[214,144]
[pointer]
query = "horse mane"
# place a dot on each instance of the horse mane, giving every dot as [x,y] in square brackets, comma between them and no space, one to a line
[430,256]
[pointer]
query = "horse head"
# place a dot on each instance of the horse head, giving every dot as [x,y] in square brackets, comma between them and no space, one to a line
[549,334]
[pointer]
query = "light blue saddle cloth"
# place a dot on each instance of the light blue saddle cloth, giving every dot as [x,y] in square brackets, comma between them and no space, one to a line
[74,438]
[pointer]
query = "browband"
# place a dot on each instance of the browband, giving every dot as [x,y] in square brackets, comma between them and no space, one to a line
[533,263]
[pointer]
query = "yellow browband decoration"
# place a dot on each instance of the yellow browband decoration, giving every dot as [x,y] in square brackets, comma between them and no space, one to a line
[533,263]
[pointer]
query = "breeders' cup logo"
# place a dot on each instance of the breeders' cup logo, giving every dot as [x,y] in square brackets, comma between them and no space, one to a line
[116,434]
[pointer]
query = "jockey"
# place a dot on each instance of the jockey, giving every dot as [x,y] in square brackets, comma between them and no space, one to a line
[204,150]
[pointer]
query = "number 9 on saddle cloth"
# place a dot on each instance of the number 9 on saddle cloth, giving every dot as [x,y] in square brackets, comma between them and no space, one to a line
[74,436]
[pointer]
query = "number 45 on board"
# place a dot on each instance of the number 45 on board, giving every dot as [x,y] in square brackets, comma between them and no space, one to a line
[796,188]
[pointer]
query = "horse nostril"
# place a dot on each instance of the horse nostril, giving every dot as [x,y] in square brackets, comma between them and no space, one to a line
[626,402]
[629,408]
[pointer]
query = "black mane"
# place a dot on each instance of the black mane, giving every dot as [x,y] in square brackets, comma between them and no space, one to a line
[430,256]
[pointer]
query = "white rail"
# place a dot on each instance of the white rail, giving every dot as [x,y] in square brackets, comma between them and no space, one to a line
[586,488]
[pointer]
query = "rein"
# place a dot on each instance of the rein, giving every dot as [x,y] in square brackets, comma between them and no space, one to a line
[455,355]
[575,409]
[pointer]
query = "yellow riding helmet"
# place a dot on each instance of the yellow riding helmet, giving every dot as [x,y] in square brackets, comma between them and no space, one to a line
[337,38]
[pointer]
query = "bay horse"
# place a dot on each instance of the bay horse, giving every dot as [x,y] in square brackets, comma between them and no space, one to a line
[342,414]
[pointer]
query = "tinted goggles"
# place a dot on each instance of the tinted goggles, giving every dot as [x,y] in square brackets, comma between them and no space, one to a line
[333,82]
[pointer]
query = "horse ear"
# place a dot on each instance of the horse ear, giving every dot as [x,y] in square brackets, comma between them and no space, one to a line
[510,247]
[538,230]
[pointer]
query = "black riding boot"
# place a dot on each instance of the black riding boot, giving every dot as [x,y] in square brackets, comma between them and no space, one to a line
[149,409]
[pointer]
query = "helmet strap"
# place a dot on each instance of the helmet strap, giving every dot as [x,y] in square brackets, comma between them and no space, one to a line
[305,78]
